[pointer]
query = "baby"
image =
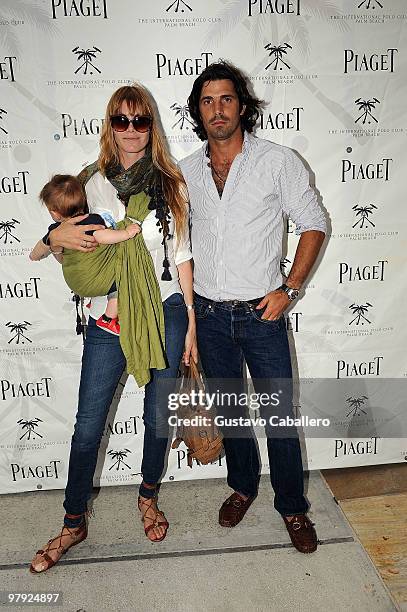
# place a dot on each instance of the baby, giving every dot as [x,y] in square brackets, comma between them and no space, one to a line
[65,198]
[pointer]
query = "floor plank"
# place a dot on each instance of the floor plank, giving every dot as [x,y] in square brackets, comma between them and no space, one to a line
[380,522]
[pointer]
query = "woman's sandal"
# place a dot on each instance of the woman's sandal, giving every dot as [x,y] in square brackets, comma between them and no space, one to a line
[154,521]
[78,535]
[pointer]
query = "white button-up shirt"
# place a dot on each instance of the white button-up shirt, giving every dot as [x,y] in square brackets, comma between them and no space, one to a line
[102,199]
[237,238]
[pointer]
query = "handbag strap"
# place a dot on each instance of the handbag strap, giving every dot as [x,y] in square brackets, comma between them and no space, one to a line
[194,374]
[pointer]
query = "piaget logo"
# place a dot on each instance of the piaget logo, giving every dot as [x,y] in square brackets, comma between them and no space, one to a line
[350,273]
[129,426]
[14,390]
[170,66]
[273,7]
[79,8]
[369,62]
[7,68]
[346,369]
[182,461]
[21,290]
[14,184]
[22,472]
[356,447]
[289,120]
[74,126]
[379,171]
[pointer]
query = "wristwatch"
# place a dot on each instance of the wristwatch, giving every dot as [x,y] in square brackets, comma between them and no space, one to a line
[190,306]
[292,293]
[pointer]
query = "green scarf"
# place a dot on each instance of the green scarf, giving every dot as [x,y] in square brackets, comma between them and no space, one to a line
[129,264]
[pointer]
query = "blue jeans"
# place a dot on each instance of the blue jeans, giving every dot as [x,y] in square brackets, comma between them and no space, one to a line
[103,364]
[227,335]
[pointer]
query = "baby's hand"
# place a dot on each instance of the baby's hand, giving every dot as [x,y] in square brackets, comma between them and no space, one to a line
[133,230]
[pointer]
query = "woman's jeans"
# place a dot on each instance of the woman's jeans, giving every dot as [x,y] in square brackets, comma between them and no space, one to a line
[103,364]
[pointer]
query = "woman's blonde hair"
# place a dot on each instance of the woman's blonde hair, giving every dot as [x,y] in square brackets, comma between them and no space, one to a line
[139,100]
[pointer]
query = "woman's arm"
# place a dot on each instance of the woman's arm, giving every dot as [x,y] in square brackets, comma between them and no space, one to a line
[112,236]
[69,235]
[185,274]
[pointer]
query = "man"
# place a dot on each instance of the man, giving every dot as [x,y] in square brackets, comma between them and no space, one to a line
[240,188]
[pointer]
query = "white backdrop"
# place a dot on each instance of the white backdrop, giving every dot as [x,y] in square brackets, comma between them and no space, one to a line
[333,73]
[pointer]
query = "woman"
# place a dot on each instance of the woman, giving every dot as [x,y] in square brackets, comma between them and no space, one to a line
[133,159]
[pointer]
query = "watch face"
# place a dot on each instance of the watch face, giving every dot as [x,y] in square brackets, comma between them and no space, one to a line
[292,293]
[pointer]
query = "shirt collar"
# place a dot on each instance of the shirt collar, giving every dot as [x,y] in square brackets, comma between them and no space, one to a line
[248,141]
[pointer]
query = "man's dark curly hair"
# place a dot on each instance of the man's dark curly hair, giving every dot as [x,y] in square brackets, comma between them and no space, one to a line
[216,72]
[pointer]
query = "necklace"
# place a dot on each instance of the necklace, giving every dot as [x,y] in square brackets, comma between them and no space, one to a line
[221,175]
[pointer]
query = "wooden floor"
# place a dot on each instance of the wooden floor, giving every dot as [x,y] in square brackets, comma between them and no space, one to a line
[380,521]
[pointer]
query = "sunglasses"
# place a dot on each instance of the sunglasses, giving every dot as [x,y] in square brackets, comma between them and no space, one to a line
[141,123]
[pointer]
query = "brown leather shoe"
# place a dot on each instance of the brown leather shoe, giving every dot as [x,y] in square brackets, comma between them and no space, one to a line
[302,533]
[233,510]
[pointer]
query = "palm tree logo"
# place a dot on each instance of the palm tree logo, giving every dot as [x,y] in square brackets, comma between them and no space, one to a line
[28,428]
[119,457]
[356,404]
[370,3]
[86,56]
[18,330]
[3,112]
[182,112]
[360,312]
[283,265]
[178,4]
[362,215]
[366,106]
[6,231]
[278,53]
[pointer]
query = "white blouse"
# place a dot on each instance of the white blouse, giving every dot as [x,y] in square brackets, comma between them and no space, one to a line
[102,199]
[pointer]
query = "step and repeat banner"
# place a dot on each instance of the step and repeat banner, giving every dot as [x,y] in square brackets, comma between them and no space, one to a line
[333,76]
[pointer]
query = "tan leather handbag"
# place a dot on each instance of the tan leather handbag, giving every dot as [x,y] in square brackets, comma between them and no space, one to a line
[202,437]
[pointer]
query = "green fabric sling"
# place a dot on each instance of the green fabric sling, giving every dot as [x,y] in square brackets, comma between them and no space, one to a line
[129,264]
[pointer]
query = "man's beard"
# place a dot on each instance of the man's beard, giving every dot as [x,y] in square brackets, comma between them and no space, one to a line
[223,132]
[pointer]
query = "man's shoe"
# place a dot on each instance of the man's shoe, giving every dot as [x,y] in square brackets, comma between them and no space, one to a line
[233,510]
[110,325]
[302,533]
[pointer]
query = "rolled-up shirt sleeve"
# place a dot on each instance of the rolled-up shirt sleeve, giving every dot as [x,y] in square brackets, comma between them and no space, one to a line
[298,198]
[182,246]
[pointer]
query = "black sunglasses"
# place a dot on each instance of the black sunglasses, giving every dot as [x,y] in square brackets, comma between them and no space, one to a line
[120,123]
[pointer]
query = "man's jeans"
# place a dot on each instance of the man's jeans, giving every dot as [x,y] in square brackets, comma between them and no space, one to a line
[103,364]
[227,334]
